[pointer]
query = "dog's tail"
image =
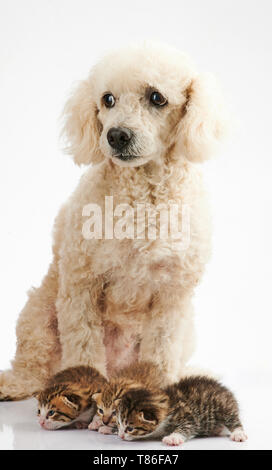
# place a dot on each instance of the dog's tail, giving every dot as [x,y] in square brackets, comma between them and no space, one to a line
[12,391]
[17,397]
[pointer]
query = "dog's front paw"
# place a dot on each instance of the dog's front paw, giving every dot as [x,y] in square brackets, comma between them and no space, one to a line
[174,439]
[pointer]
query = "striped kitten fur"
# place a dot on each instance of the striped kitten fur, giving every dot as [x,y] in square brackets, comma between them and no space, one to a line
[142,374]
[67,399]
[195,406]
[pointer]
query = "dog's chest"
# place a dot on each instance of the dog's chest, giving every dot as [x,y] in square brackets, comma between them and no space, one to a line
[122,346]
[126,303]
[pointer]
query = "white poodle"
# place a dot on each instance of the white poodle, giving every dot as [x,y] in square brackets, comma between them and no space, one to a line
[113,295]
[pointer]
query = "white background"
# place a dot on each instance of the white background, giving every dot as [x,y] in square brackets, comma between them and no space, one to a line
[45,46]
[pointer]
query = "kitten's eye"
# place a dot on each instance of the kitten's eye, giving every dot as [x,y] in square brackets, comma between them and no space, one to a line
[157,99]
[129,429]
[50,413]
[101,411]
[108,100]
[38,412]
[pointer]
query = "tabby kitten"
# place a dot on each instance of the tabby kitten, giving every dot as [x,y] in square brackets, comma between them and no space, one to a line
[139,375]
[195,406]
[67,399]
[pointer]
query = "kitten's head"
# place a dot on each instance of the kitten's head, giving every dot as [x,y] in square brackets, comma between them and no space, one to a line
[107,402]
[57,407]
[140,412]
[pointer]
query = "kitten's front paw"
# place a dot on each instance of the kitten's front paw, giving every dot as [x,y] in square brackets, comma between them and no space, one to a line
[174,439]
[95,424]
[106,430]
[238,435]
[80,425]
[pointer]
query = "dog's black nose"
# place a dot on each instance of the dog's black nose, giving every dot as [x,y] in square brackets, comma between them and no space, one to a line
[119,137]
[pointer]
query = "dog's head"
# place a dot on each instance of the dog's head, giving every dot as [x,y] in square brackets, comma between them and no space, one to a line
[140,102]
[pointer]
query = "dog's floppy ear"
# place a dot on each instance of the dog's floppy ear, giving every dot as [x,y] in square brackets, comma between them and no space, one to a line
[81,126]
[203,123]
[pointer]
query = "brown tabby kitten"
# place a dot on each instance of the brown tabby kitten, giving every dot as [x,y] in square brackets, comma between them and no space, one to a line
[142,374]
[195,406]
[67,398]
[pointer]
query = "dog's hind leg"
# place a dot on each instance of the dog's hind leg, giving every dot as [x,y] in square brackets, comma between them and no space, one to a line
[38,347]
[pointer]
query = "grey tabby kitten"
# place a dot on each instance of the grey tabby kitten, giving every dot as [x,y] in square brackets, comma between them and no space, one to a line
[195,406]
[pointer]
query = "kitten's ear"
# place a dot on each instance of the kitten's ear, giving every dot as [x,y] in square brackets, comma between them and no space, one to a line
[36,395]
[96,396]
[71,400]
[117,401]
[148,416]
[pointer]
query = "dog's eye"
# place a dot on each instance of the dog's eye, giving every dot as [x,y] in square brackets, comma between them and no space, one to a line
[157,99]
[108,100]
[101,411]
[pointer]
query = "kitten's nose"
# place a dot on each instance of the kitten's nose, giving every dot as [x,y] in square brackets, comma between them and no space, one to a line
[42,422]
[106,420]
[119,137]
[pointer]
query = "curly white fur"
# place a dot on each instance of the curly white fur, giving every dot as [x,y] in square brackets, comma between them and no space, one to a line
[103,296]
